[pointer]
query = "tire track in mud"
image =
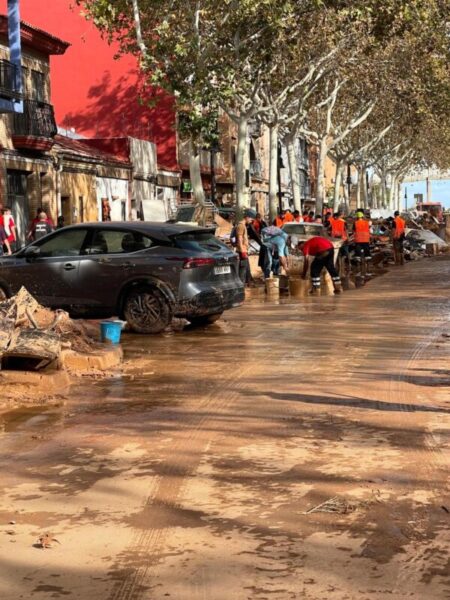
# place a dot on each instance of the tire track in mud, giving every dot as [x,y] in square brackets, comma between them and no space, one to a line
[398,389]
[170,486]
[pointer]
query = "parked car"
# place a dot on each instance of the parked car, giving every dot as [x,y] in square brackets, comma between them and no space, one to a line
[304,231]
[145,273]
[301,232]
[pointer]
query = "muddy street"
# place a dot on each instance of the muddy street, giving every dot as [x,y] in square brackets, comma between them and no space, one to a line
[292,450]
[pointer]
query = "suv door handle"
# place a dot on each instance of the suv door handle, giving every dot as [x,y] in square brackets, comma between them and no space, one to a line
[103,261]
[69,267]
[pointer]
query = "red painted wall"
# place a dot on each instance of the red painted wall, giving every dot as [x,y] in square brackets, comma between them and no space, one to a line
[91,91]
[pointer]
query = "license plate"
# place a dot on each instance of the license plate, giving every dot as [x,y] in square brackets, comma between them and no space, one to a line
[222,270]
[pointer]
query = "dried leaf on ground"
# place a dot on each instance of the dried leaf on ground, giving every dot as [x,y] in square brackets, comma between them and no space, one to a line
[46,540]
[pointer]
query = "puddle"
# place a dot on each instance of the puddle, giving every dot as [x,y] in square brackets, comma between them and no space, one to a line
[29,418]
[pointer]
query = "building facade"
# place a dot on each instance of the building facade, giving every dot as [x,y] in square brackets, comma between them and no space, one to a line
[27,169]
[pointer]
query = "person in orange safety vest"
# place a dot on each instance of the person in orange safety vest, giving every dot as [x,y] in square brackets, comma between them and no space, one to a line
[398,237]
[338,227]
[361,235]
[288,216]
[298,217]
[278,221]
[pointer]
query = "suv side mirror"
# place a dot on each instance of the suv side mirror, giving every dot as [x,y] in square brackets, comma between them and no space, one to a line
[31,252]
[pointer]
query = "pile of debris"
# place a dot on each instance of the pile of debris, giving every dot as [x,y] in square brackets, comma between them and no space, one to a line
[32,337]
[425,234]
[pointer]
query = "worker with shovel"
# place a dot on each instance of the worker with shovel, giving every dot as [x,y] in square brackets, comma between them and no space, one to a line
[322,251]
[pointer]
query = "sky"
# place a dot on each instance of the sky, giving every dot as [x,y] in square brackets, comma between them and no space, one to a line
[440,191]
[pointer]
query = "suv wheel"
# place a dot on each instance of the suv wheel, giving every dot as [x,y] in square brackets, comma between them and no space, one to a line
[205,320]
[147,310]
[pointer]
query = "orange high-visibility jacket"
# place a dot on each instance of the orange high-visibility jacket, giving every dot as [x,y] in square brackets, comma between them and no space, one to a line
[278,222]
[288,217]
[338,229]
[362,231]
[399,227]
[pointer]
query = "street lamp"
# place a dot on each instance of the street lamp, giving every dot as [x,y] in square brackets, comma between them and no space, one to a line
[349,182]
[280,165]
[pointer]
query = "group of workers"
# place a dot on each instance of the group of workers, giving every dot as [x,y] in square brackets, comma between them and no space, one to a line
[286,216]
[318,251]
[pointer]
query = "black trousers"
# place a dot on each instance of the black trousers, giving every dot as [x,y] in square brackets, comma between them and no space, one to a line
[362,249]
[244,271]
[325,260]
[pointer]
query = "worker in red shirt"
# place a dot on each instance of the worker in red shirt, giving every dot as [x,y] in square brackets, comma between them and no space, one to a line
[398,237]
[322,251]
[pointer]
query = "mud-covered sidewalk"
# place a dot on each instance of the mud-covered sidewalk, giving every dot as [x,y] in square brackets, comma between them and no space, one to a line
[289,451]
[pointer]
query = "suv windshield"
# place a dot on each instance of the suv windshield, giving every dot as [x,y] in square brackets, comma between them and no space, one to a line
[199,241]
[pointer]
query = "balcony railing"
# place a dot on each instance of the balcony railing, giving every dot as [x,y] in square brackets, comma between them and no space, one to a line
[255,168]
[8,80]
[37,119]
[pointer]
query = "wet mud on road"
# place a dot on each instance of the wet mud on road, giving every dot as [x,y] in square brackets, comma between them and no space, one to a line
[289,451]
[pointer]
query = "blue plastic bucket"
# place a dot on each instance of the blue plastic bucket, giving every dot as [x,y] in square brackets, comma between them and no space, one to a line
[110,331]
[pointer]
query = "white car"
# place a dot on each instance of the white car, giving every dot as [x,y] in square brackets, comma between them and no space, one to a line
[301,232]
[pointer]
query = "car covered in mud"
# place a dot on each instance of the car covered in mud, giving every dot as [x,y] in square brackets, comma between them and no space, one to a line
[301,232]
[145,273]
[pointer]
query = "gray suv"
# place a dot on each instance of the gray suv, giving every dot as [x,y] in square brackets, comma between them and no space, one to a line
[145,273]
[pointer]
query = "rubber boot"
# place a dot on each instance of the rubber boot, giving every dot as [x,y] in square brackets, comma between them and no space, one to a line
[337,287]
[315,291]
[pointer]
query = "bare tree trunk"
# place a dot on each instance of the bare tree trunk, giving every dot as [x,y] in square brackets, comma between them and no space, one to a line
[242,192]
[320,195]
[393,193]
[273,173]
[358,188]
[195,173]
[364,189]
[337,185]
[377,202]
[293,170]
[383,189]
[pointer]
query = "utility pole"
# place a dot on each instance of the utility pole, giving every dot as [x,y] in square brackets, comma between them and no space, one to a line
[428,187]
[213,174]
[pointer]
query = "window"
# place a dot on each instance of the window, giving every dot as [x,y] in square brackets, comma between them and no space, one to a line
[199,242]
[37,86]
[66,243]
[118,242]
